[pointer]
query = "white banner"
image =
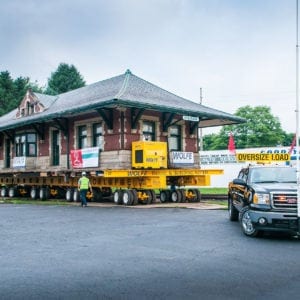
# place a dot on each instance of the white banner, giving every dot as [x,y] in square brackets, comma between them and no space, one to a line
[19,162]
[182,157]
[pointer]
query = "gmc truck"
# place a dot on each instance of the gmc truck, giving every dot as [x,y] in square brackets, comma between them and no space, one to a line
[264,198]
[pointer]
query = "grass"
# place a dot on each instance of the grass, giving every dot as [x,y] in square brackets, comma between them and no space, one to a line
[214,191]
[30,201]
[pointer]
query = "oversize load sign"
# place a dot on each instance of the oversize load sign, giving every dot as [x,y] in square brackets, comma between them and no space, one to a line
[85,158]
[263,157]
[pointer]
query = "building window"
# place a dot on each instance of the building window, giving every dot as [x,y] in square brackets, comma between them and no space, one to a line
[175,138]
[7,153]
[55,148]
[148,131]
[97,135]
[82,137]
[25,144]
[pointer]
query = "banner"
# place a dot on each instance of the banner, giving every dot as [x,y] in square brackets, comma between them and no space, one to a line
[85,158]
[182,157]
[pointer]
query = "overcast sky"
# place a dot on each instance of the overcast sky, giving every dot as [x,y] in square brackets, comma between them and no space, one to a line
[240,52]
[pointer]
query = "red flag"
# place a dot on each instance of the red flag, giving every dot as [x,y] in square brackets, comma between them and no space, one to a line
[231,145]
[293,145]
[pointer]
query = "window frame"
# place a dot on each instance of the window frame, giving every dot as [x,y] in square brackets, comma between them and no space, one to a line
[151,133]
[176,137]
[82,138]
[23,144]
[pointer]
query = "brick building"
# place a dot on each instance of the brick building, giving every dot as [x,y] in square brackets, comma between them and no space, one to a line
[106,117]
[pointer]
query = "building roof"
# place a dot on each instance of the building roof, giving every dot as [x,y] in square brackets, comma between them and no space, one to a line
[126,90]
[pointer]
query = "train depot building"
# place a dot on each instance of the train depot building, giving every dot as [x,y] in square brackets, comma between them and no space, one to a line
[125,132]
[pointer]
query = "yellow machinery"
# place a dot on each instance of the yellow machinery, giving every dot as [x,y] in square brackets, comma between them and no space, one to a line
[148,175]
[149,155]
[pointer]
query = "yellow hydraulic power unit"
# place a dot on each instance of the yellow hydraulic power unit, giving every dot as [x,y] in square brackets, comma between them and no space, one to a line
[149,155]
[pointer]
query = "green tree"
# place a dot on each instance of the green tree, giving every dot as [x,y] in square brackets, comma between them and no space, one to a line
[13,91]
[65,78]
[262,129]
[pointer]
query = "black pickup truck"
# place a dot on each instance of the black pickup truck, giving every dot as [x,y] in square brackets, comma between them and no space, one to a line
[264,198]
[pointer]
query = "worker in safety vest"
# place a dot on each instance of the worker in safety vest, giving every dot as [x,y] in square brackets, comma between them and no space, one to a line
[83,186]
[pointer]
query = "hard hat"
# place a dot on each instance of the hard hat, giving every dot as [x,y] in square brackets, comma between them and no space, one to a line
[83,173]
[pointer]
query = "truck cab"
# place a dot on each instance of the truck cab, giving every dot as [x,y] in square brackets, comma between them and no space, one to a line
[264,198]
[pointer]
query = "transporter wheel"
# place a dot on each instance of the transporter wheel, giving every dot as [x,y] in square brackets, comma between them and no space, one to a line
[232,211]
[3,191]
[69,194]
[44,193]
[118,197]
[176,196]
[135,197]
[165,196]
[246,223]
[34,193]
[153,196]
[12,192]
[127,197]
[76,195]
[183,195]
[198,195]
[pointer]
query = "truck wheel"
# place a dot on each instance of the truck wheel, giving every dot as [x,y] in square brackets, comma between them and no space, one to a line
[127,197]
[165,196]
[198,195]
[34,192]
[176,196]
[246,223]
[135,197]
[118,197]
[44,193]
[76,195]
[69,195]
[232,211]
[12,192]
[3,192]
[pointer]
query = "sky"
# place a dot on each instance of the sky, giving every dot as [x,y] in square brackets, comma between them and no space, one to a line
[239,52]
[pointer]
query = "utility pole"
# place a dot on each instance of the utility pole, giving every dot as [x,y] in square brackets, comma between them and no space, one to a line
[200,129]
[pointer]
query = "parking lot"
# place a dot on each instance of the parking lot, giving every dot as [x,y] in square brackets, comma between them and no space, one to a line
[117,252]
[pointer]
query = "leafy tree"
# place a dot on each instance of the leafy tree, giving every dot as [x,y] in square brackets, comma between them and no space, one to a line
[12,91]
[64,79]
[262,129]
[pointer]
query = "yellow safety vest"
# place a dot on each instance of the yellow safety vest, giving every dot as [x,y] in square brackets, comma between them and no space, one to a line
[84,183]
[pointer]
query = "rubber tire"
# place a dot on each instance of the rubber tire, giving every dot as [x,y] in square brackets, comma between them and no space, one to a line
[176,196]
[118,197]
[165,196]
[76,195]
[153,196]
[135,197]
[246,224]
[127,197]
[12,192]
[3,192]
[69,194]
[232,211]
[44,193]
[34,193]
[183,196]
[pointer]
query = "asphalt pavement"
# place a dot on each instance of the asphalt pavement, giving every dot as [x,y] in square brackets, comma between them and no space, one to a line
[69,252]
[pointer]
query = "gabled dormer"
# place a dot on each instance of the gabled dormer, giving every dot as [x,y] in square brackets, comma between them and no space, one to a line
[29,105]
